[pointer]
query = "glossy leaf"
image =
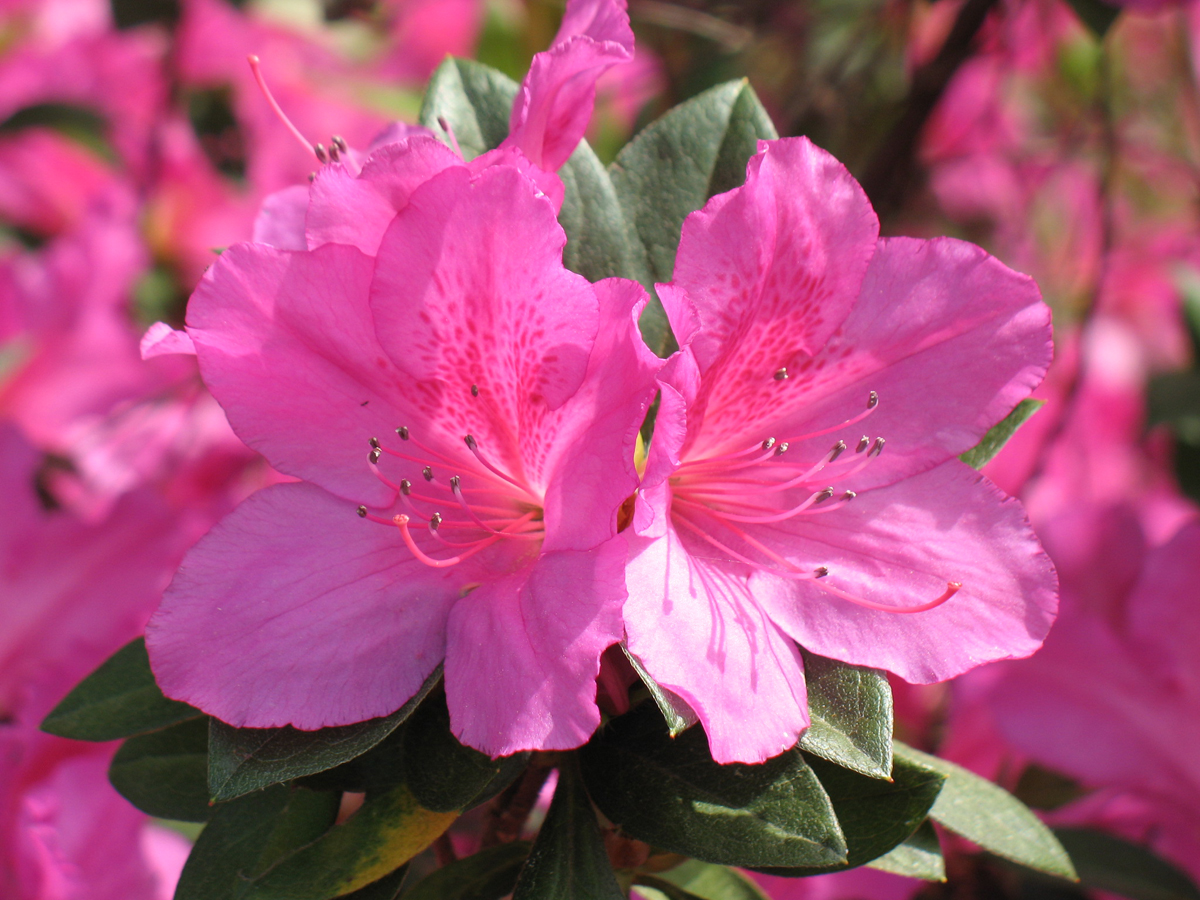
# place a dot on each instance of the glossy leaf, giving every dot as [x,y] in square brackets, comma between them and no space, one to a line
[991,817]
[242,760]
[671,794]
[386,832]
[568,857]
[248,835]
[1105,862]
[851,711]
[119,699]
[163,773]
[443,774]
[487,875]
[678,714]
[474,99]
[876,816]
[711,882]
[918,857]
[993,442]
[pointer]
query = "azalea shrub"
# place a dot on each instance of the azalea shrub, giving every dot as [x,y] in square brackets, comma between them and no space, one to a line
[500,515]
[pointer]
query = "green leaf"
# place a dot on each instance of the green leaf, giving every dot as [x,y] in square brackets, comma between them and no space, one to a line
[386,888]
[991,817]
[1108,863]
[851,711]
[242,760]
[568,858]
[487,875]
[387,831]
[677,713]
[670,793]
[118,700]
[443,774]
[1096,15]
[1000,433]
[875,816]
[918,857]
[712,882]
[248,835]
[600,243]
[163,773]
[474,99]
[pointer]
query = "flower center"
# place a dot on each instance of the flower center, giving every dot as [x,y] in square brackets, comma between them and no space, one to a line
[764,485]
[462,505]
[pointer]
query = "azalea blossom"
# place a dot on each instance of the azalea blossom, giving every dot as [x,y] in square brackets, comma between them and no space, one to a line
[477,405]
[802,486]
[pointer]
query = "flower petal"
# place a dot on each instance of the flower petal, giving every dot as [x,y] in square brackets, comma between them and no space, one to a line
[280,219]
[524,651]
[248,635]
[901,546]
[693,624]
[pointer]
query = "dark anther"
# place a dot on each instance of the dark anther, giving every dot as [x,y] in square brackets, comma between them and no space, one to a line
[849,495]
[338,141]
[375,454]
[454,481]
[863,443]
[781,374]
[823,496]
[374,442]
[469,440]
[872,400]
[427,473]
[362,512]
[403,432]
[821,571]
[405,486]
[781,449]
[334,155]
[434,521]
[838,449]
[877,447]
[768,443]
[319,149]
[443,124]
[312,176]
[474,390]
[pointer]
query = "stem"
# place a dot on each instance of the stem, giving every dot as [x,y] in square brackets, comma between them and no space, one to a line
[443,849]
[506,814]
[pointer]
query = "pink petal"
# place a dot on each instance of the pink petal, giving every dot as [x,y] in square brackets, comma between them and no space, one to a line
[280,220]
[900,546]
[294,611]
[697,630]
[161,339]
[523,652]
[286,344]
[772,269]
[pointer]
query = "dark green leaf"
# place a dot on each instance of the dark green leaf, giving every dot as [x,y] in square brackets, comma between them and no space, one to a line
[1174,398]
[1108,863]
[242,760]
[712,882]
[600,243]
[670,793]
[876,816]
[163,773]
[387,831]
[918,857]
[248,835]
[1097,15]
[993,442]
[991,817]
[386,888]
[662,887]
[851,710]
[678,715]
[568,858]
[443,774]
[118,700]
[487,875]
[474,99]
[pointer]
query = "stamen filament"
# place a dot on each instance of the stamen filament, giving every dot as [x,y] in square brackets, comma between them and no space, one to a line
[952,588]
[255,67]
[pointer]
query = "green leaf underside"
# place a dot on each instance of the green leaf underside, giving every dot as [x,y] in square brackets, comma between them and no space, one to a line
[875,816]
[387,831]
[991,817]
[118,700]
[671,794]
[241,760]
[993,442]
[248,835]
[712,882]
[1108,863]
[474,99]
[163,773]
[568,857]
[918,857]
[851,712]
[677,713]
[443,774]
[487,875]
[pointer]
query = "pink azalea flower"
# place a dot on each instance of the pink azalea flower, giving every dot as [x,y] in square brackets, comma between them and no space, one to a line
[771,514]
[501,395]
